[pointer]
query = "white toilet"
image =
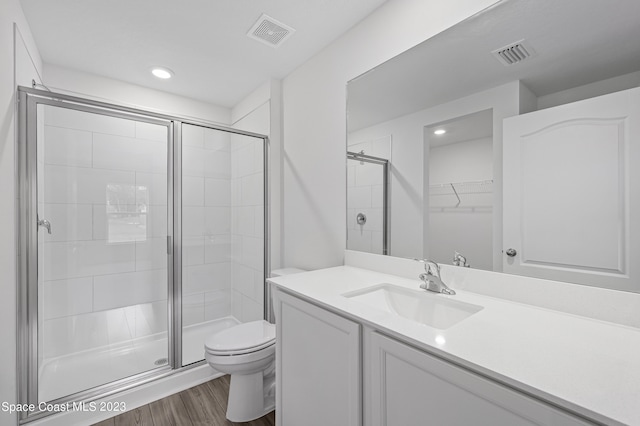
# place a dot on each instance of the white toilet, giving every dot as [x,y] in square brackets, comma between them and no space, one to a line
[247,352]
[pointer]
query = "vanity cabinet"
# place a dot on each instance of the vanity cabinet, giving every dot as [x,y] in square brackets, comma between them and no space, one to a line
[332,370]
[406,386]
[318,365]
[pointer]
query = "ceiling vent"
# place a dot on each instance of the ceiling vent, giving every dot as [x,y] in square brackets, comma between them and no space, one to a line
[514,53]
[269,31]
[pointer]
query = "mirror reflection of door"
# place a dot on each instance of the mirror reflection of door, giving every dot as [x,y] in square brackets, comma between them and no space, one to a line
[569,192]
[459,193]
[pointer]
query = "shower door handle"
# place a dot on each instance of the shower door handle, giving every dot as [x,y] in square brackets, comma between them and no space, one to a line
[46,224]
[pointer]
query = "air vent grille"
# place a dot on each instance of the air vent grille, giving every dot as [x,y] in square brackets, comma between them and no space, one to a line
[514,53]
[269,31]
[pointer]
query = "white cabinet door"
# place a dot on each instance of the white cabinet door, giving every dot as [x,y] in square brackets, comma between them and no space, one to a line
[317,365]
[410,387]
[572,192]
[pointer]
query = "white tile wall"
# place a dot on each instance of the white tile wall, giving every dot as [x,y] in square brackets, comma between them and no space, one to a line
[217,192]
[119,290]
[217,248]
[151,188]
[217,220]
[253,252]
[192,250]
[79,185]
[151,254]
[71,222]
[193,191]
[96,123]
[193,161]
[215,140]
[244,220]
[86,258]
[106,195]
[192,309]
[68,297]
[218,164]
[207,277]
[206,197]
[152,132]
[192,136]
[68,147]
[247,228]
[120,153]
[258,224]
[359,197]
[217,304]
[243,280]
[252,190]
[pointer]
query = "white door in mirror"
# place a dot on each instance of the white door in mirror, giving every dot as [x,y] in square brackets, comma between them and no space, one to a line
[572,194]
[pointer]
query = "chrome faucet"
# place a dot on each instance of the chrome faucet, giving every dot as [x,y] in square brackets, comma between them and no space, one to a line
[460,260]
[431,280]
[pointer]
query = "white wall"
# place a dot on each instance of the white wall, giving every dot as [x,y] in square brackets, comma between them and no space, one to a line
[314,99]
[19,64]
[598,88]
[78,83]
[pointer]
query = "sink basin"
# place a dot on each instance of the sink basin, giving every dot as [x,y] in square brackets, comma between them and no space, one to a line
[431,309]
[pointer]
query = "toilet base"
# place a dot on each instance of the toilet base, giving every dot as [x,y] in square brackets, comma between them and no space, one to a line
[251,396]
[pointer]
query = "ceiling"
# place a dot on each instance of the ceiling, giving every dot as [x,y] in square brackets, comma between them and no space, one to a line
[577,42]
[203,42]
[461,129]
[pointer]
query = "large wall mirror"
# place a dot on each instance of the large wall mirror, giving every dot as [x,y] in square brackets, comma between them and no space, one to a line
[511,139]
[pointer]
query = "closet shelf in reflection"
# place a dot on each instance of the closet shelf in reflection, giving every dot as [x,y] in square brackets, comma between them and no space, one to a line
[449,194]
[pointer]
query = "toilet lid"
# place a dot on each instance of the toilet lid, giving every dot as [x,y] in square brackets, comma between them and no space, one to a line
[242,338]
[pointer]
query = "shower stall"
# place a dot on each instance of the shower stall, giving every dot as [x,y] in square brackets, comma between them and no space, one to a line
[139,235]
[367,203]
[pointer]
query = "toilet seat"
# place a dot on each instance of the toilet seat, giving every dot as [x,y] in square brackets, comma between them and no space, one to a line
[242,339]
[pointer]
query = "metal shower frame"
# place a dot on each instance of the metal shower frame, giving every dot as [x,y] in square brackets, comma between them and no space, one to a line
[27,240]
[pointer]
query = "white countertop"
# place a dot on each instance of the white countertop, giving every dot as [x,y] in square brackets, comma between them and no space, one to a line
[588,366]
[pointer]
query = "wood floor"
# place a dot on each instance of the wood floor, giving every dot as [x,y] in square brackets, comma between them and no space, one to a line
[205,404]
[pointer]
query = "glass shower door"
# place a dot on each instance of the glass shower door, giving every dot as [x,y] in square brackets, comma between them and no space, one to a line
[223,237]
[102,282]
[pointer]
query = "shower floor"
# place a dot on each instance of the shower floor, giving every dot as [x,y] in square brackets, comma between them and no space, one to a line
[79,371]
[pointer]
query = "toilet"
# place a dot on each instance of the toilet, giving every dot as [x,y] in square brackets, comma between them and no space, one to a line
[247,353]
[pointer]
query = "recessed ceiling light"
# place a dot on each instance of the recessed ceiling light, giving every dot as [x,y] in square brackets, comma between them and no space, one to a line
[163,73]
[440,132]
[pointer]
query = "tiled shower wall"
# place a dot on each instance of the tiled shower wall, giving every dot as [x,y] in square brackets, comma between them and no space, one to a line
[206,224]
[104,265]
[105,271]
[223,225]
[247,227]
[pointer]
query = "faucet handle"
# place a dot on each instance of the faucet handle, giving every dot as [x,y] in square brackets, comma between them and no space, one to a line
[428,264]
[459,259]
[425,262]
